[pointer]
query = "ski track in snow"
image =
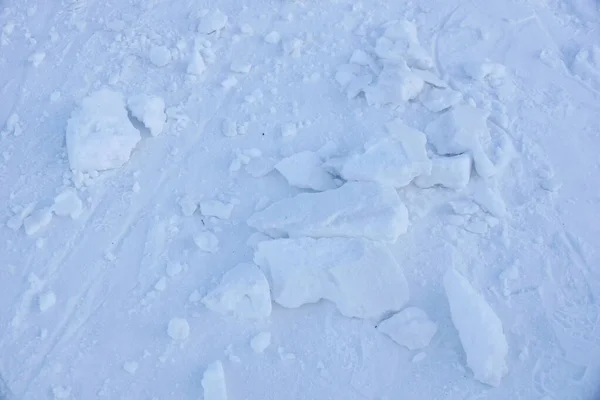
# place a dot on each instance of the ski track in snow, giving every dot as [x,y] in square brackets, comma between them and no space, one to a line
[107,267]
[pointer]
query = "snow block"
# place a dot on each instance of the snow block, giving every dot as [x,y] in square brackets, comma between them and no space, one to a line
[356,209]
[360,276]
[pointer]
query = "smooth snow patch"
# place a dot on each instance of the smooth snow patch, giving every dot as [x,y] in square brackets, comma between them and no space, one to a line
[46,301]
[356,209]
[207,242]
[149,110]
[178,329]
[243,292]
[37,220]
[451,172]
[395,160]
[260,342]
[360,276]
[479,328]
[216,208]
[67,204]
[410,327]
[99,133]
[213,21]
[213,382]
[305,170]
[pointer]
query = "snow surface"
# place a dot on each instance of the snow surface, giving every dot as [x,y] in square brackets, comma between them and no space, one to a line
[108,217]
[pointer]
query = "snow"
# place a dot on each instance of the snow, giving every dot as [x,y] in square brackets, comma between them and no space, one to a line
[305,170]
[272,37]
[99,133]
[149,110]
[213,382]
[410,327]
[213,21]
[37,220]
[207,242]
[360,276]
[67,204]
[178,329]
[356,209]
[243,291]
[131,367]
[160,56]
[216,208]
[451,172]
[196,66]
[260,342]
[479,328]
[46,301]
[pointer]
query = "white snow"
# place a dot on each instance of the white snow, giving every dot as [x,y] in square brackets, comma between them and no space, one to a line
[260,342]
[272,37]
[462,130]
[479,328]
[213,21]
[213,382]
[67,204]
[149,110]
[178,329]
[357,209]
[46,301]
[360,276]
[37,220]
[160,56]
[99,133]
[410,327]
[243,291]
[305,170]
[207,242]
[395,160]
[451,172]
[216,208]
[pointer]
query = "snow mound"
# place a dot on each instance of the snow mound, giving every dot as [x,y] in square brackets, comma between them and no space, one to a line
[178,329]
[99,133]
[462,130]
[356,209]
[479,328]
[410,327]
[360,276]
[213,382]
[451,172]
[305,170]
[395,160]
[243,292]
[149,110]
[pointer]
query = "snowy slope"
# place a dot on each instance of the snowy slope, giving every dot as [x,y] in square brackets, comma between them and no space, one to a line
[141,148]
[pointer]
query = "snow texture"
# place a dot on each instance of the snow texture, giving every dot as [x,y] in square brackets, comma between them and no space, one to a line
[305,170]
[410,327]
[479,328]
[360,276]
[149,110]
[213,382]
[243,292]
[99,133]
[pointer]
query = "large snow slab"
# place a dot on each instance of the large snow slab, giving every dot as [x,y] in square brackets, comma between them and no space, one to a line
[479,328]
[243,292]
[360,276]
[357,209]
[99,133]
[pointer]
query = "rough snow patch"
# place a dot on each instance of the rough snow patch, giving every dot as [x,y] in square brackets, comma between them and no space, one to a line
[305,170]
[357,209]
[207,242]
[99,133]
[395,160]
[451,172]
[149,110]
[479,328]
[360,276]
[67,204]
[260,342]
[216,208]
[213,21]
[213,382]
[243,292]
[410,327]
[178,329]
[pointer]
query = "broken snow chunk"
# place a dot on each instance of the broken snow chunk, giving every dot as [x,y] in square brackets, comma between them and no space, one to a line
[395,86]
[67,204]
[159,55]
[161,284]
[213,382]
[99,133]
[356,209]
[16,221]
[360,276]
[37,58]
[216,208]
[479,328]
[207,242]
[357,85]
[346,73]
[305,170]
[188,205]
[437,100]
[46,301]
[241,67]
[229,128]
[260,342]
[173,269]
[410,327]
[451,172]
[243,292]
[213,21]
[37,220]
[395,160]
[197,66]
[463,129]
[149,110]
[480,71]
[293,47]
[405,43]
[131,367]
[229,82]
[178,329]
[272,37]
[360,57]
